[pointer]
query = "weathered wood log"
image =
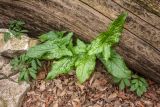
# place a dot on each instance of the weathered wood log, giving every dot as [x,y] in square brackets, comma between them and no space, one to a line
[139,45]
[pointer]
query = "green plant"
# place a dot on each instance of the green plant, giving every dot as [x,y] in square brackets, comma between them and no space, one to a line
[118,69]
[51,49]
[58,46]
[138,84]
[15,29]
[27,67]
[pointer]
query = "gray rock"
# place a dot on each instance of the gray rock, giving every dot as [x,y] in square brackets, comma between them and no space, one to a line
[2,103]
[5,67]
[14,46]
[12,93]
[6,70]
[1,76]
[3,61]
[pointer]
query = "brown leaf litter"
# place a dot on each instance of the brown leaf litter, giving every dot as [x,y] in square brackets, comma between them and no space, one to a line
[98,91]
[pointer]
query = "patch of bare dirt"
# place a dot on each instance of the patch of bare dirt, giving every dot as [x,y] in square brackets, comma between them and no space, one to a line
[98,91]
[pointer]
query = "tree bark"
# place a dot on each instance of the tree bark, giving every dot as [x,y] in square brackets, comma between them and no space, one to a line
[140,42]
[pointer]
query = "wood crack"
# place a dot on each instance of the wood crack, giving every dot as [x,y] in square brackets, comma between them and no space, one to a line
[124,27]
[136,15]
[151,5]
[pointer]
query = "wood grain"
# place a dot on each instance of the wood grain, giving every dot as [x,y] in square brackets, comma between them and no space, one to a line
[140,40]
[151,5]
[135,25]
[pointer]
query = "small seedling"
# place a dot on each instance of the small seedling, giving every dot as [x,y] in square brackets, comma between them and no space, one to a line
[27,67]
[15,29]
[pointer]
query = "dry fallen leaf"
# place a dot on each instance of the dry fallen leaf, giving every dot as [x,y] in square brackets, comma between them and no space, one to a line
[58,84]
[148,103]
[41,76]
[42,87]
[55,104]
[139,104]
[122,95]
[64,91]
[112,96]
[80,86]
[76,103]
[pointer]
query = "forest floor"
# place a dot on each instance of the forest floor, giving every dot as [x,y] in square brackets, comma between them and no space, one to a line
[98,91]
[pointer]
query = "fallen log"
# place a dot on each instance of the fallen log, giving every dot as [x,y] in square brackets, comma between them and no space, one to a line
[140,42]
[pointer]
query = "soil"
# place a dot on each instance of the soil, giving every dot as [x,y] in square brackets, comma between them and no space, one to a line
[98,91]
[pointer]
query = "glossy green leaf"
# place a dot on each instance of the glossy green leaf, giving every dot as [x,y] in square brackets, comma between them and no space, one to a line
[63,41]
[85,65]
[115,29]
[57,53]
[52,35]
[71,47]
[122,85]
[39,50]
[106,52]
[81,47]
[52,47]
[62,66]
[116,66]
[110,37]
[96,45]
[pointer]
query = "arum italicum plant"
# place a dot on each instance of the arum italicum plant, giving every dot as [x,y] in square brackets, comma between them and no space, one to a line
[58,46]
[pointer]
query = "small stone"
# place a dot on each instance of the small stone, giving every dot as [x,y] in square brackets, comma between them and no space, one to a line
[15,46]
